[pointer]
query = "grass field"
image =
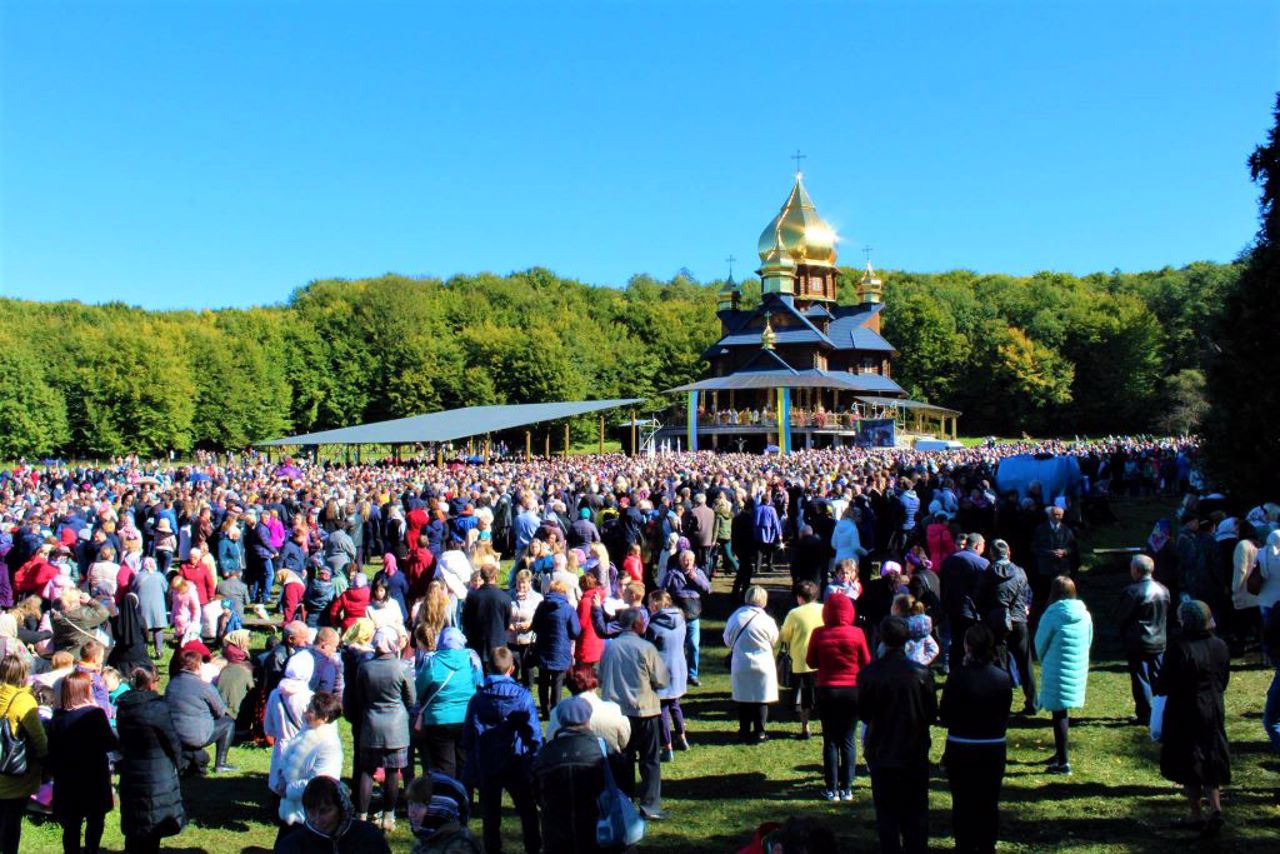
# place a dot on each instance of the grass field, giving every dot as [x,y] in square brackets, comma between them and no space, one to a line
[719,791]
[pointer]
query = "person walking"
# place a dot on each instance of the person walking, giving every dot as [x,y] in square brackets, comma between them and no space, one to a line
[1063,639]
[631,673]
[896,701]
[151,755]
[751,635]
[500,736]
[975,711]
[80,737]
[795,634]
[1194,752]
[837,651]
[486,615]
[1141,619]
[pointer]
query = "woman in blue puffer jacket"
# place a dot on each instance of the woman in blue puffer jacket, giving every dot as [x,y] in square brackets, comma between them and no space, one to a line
[1062,645]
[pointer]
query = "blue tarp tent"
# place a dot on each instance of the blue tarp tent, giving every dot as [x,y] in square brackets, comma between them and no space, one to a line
[1057,475]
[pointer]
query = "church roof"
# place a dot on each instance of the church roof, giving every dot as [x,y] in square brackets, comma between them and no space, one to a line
[846,331]
[792,378]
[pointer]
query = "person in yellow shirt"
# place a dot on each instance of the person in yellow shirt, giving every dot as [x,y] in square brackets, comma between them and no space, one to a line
[797,628]
[18,712]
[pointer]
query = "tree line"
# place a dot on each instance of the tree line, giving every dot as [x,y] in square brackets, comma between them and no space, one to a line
[1049,354]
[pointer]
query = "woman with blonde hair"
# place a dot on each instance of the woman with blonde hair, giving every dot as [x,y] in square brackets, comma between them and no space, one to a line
[18,711]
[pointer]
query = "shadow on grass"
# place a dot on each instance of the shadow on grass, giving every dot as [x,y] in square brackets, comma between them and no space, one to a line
[234,804]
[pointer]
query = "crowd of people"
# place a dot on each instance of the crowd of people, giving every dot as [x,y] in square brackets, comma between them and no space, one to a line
[386,589]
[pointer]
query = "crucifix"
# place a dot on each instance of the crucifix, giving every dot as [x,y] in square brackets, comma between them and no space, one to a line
[866,253]
[730,261]
[797,157]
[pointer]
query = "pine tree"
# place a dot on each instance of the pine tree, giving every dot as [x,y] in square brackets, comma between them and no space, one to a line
[1242,429]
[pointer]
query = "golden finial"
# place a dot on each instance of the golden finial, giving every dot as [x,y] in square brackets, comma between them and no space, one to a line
[768,337]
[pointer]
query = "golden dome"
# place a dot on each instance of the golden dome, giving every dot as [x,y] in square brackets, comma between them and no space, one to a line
[799,231]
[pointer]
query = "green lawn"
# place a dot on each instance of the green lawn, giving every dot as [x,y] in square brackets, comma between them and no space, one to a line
[718,792]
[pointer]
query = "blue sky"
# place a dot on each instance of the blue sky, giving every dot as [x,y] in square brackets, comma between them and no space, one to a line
[202,154]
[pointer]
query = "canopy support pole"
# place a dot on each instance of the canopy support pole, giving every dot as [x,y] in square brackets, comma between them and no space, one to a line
[601,434]
[634,447]
[528,445]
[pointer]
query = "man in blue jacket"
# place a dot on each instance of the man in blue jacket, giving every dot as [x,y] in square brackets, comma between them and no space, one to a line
[500,735]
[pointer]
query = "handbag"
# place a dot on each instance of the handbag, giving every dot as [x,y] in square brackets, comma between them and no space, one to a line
[619,824]
[1253,581]
[728,656]
[784,665]
[13,747]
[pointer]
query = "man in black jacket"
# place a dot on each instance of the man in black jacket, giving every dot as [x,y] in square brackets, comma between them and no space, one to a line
[961,576]
[569,775]
[897,703]
[486,614]
[1056,553]
[1142,620]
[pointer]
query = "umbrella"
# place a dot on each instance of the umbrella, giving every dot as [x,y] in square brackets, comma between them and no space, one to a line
[198,477]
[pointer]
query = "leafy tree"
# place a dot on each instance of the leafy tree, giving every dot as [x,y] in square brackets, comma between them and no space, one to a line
[33,415]
[1241,429]
[1185,404]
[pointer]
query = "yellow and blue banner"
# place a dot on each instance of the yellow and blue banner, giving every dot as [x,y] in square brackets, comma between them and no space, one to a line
[784,420]
[692,419]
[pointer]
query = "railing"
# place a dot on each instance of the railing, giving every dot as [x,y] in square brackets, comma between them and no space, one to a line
[815,418]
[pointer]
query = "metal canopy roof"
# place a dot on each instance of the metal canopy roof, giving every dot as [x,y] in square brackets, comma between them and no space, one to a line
[811,378]
[902,403]
[451,424]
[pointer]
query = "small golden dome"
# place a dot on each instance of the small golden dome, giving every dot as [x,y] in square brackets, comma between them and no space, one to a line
[799,232]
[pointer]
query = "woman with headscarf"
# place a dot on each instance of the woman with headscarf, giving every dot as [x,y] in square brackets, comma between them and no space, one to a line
[380,700]
[447,676]
[397,583]
[235,678]
[1269,566]
[151,587]
[352,604]
[1193,745]
[331,826]
[128,629]
[286,705]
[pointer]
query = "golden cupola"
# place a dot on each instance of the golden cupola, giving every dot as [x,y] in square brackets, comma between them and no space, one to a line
[778,272]
[798,230]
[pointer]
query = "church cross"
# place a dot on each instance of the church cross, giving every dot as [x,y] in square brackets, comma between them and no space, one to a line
[730,261]
[866,252]
[797,157]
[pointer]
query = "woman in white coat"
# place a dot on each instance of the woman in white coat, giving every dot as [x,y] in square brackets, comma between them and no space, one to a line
[315,751]
[845,541]
[751,635]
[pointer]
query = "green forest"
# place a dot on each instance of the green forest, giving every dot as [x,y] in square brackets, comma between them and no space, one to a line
[1049,354]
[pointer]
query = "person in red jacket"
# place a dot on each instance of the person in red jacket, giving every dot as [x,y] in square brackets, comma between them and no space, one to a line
[418,568]
[33,575]
[590,645]
[939,540]
[633,564]
[352,604]
[292,587]
[838,650]
[198,573]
